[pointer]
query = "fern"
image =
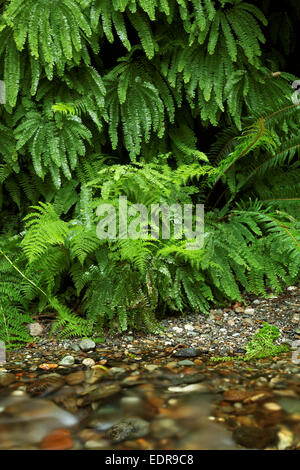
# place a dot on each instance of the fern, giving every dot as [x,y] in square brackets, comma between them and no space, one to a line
[260,346]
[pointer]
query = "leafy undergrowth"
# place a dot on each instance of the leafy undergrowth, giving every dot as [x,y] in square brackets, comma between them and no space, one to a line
[260,346]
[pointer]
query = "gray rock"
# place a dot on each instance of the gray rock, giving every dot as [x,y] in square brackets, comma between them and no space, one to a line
[289,405]
[186,352]
[102,391]
[87,344]
[186,362]
[67,361]
[129,428]
[117,371]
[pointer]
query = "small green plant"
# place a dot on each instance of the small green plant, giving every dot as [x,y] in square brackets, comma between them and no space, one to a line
[260,346]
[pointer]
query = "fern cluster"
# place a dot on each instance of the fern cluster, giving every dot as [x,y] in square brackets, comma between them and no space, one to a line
[194,107]
[260,346]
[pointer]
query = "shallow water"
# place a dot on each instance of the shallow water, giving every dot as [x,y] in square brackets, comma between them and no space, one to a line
[167,405]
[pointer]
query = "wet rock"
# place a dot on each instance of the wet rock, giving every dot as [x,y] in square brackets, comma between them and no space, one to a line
[88,362]
[236,395]
[67,361]
[189,388]
[163,428]
[151,367]
[6,379]
[75,378]
[255,438]
[96,444]
[116,371]
[186,352]
[87,344]
[102,391]
[186,362]
[45,385]
[129,428]
[289,405]
[207,436]
[272,406]
[285,438]
[28,421]
[59,439]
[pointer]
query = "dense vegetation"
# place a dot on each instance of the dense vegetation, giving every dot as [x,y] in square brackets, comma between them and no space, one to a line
[162,101]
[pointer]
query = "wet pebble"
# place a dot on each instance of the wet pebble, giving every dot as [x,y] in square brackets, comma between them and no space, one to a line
[130,428]
[87,344]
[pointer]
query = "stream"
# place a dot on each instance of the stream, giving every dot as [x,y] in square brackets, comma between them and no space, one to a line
[151,402]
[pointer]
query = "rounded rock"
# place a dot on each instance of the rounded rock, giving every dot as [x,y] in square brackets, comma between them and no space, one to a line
[87,344]
[67,361]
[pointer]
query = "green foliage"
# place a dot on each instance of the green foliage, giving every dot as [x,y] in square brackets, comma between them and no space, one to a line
[195,108]
[260,346]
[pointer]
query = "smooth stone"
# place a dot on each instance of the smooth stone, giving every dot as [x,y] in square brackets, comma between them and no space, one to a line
[67,361]
[289,405]
[102,391]
[163,428]
[129,428]
[272,406]
[151,367]
[253,437]
[116,371]
[249,311]
[186,362]
[87,344]
[189,388]
[285,438]
[88,362]
[35,329]
[6,379]
[186,352]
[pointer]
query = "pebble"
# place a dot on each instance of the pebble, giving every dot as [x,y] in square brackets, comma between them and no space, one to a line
[35,329]
[186,352]
[87,344]
[186,362]
[289,405]
[75,378]
[189,388]
[6,379]
[272,406]
[254,438]
[67,361]
[285,438]
[103,391]
[101,444]
[163,428]
[151,367]
[88,362]
[128,428]
[249,311]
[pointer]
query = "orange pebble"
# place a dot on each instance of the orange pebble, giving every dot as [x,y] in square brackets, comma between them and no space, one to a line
[59,439]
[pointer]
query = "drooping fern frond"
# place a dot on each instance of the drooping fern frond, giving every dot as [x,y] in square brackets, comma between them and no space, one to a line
[56,32]
[44,228]
[54,144]
[139,102]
